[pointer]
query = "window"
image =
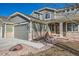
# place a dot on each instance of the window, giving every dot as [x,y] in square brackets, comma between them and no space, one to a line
[75,27]
[69,27]
[72,27]
[72,9]
[63,11]
[47,15]
[67,10]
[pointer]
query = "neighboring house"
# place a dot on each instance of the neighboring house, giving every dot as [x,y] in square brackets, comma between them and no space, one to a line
[62,22]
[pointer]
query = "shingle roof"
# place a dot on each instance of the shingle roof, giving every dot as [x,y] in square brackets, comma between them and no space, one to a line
[4,18]
[29,15]
[34,19]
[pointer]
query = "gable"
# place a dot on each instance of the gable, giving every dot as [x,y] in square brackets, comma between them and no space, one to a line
[46,10]
[18,19]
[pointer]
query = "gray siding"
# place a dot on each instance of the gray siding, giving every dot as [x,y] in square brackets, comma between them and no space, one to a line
[21,28]
[18,19]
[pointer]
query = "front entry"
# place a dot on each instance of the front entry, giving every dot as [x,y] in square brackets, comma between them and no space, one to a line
[54,28]
[57,28]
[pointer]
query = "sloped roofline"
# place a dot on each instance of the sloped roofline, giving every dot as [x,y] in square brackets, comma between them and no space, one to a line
[54,9]
[1,19]
[18,13]
[51,9]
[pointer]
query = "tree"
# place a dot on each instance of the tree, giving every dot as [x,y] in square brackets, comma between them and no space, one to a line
[70,16]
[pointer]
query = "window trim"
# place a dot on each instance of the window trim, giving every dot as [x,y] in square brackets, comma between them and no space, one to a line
[48,15]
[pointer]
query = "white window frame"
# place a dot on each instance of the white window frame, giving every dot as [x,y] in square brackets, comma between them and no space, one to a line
[49,16]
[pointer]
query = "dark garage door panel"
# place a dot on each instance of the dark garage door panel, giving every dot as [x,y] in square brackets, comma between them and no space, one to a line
[21,32]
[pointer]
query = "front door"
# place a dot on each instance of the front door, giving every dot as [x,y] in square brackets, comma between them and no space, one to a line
[57,28]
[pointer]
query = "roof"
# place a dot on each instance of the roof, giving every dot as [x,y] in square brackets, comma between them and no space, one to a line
[22,14]
[4,18]
[57,10]
[34,19]
[46,8]
[37,12]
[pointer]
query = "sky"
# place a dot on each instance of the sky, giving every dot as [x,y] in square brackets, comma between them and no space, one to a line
[7,9]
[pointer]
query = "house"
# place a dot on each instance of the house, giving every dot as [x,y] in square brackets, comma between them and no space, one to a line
[62,22]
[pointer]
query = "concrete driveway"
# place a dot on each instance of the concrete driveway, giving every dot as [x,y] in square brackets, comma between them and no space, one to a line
[8,43]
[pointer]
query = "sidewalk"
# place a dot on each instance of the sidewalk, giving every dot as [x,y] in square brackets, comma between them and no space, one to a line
[8,43]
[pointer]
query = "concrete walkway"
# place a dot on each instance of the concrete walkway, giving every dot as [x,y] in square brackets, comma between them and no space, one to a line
[8,43]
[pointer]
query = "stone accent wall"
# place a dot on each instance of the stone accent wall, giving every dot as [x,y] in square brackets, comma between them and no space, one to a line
[9,35]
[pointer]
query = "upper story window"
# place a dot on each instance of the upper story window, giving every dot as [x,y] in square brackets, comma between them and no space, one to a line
[47,15]
[72,9]
[67,10]
[63,11]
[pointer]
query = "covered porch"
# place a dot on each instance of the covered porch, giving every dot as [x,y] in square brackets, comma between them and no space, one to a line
[57,29]
[67,28]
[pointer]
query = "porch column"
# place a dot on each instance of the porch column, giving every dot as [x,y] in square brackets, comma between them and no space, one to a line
[13,31]
[5,31]
[42,29]
[48,29]
[30,32]
[61,29]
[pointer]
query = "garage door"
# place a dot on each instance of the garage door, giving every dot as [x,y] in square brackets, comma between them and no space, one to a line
[21,31]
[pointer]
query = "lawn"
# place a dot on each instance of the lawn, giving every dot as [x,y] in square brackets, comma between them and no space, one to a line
[58,51]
